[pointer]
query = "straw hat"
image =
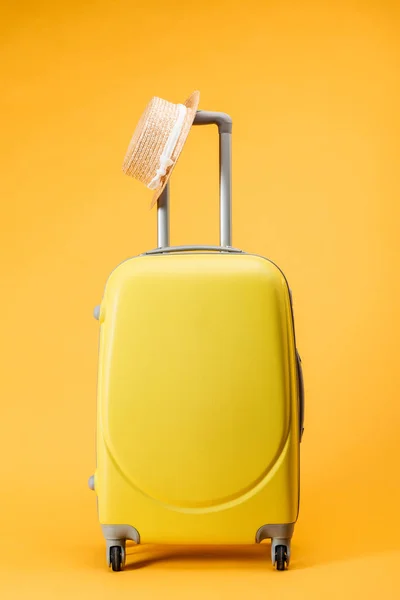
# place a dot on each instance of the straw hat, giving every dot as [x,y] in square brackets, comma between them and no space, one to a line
[158,141]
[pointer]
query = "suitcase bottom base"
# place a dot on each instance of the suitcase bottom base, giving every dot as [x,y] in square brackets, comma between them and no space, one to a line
[117,535]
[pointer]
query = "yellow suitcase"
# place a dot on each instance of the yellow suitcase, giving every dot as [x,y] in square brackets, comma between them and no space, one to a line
[200,395]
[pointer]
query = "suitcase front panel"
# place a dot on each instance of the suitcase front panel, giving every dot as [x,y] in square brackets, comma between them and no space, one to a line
[196,378]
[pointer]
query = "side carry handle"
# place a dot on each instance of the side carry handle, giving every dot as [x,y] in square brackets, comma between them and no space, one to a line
[301,394]
[224,124]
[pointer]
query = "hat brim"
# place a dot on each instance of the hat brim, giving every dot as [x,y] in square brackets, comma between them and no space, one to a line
[191,104]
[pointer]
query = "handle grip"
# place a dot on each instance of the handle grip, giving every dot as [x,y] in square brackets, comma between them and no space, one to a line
[222,120]
[224,124]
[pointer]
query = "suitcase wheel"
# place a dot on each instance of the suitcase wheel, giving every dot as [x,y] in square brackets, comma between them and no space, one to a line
[281,559]
[116,558]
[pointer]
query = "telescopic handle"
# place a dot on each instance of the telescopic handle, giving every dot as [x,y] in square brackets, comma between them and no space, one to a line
[224,124]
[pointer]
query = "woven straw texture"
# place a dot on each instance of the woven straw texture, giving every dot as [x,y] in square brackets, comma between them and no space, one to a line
[142,158]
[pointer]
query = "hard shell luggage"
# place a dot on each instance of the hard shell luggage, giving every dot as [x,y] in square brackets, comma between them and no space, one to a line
[200,394]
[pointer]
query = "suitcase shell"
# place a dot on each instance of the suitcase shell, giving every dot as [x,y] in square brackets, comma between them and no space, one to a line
[200,394]
[198,415]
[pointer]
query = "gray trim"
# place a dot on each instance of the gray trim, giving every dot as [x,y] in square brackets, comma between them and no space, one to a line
[116,535]
[222,120]
[163,218]
[96,312]
[170,249]
[91,483]
[282,530]
[280,535]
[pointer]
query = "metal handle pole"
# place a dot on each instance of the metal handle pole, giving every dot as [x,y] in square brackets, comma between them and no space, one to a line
[224,123]
[225,189]
[163,219]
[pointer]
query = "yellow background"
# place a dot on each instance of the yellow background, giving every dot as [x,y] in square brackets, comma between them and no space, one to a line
[313,88]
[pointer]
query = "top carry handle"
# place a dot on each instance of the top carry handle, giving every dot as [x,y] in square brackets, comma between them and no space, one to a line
[224,123]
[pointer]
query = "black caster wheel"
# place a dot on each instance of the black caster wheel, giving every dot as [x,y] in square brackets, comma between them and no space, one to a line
[116,558]
[281,558]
